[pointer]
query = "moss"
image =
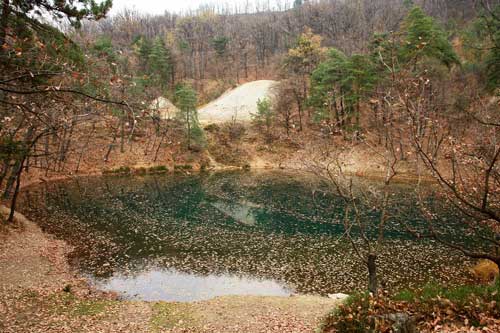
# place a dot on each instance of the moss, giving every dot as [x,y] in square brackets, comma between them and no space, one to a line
[405,296]
[158,169]
[66,303]
[183,167]
[168,315]
[461,294]
[90,307]
[123,170]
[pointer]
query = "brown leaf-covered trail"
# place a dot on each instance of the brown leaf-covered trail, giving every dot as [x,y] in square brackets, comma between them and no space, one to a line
[40,293]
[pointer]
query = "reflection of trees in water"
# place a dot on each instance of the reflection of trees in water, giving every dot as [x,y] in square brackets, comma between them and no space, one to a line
[188,223]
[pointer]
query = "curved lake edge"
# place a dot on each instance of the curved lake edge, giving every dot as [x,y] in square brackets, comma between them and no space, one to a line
[124,179]
[53,283]
[371,174]
[66,275]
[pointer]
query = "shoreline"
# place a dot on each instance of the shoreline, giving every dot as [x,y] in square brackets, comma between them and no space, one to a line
[34,264]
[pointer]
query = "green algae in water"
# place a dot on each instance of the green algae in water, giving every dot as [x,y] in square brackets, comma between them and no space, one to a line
[178,237]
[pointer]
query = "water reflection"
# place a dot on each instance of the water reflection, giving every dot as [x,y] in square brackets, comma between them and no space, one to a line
[169,284]
[243,212]
[186,238]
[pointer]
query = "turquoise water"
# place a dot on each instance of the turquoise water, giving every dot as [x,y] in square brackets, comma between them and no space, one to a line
[190,237]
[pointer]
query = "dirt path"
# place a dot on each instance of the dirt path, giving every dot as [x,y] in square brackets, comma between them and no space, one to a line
[40,293]
[239,103]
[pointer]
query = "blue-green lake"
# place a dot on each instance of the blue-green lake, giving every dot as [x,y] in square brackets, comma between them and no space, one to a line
[191,237]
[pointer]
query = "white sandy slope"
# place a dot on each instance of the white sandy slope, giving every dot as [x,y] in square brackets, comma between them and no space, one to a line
[240,103]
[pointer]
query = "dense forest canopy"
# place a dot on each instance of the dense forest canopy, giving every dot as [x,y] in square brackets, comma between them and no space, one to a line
[212,42]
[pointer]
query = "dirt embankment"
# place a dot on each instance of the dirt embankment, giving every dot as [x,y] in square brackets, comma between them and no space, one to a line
[40,293]
[238,104]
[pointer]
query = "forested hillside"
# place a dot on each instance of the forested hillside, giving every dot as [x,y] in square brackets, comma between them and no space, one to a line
[249,43]
[402,92]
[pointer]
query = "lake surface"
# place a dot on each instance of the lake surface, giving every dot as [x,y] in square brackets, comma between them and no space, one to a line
[192,237]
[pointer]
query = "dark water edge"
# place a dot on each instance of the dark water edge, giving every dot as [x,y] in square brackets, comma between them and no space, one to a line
[184,238]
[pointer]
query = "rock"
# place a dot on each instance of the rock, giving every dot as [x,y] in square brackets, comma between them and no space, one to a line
[403,323]
[338,296]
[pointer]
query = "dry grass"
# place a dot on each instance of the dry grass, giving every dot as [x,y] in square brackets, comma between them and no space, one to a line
[485,271]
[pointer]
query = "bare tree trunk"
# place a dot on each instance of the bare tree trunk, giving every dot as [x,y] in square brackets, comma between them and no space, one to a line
[16,192]
[246,64]
[17,166]
[84,148]
[159,146]
[110,148]
[188,130]
[299,107]
[371,263]
[122,135]
[4,22]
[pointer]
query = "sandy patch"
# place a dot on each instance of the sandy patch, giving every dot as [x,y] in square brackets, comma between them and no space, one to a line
[239,103]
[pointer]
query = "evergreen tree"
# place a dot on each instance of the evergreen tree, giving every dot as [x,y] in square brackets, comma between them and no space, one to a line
[339,84]
[486,42]
[297,3]
[360,81]
[264,115]
[160,62]
[186,99]
[144,50]
[104,48]
[299,64]
[327,89]
[423,38]
[219,44]
[72,11]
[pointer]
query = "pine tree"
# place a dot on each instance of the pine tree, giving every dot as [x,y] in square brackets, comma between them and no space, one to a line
[339,85]
[160,62]
[186,99]
[489,23]
[104,48]
[72,11]
[219,44]
[144,50]
[264,115]
[423,38]
[299,64]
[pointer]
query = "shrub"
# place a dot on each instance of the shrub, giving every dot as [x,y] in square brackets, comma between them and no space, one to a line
[141,171]
[485,271]
[351,316]
[123,170]
[430,306]
[158,169]
[183,167]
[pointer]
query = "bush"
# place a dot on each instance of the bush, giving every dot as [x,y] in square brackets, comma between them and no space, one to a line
[351,316]
[123,170]
[430,306]
[141,171]
[158,169]
[183,167]
[211,128]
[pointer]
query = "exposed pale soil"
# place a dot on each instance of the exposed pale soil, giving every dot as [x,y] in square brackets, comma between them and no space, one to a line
[237,104]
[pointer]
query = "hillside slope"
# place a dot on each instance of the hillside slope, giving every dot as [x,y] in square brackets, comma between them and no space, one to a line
[239,103]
